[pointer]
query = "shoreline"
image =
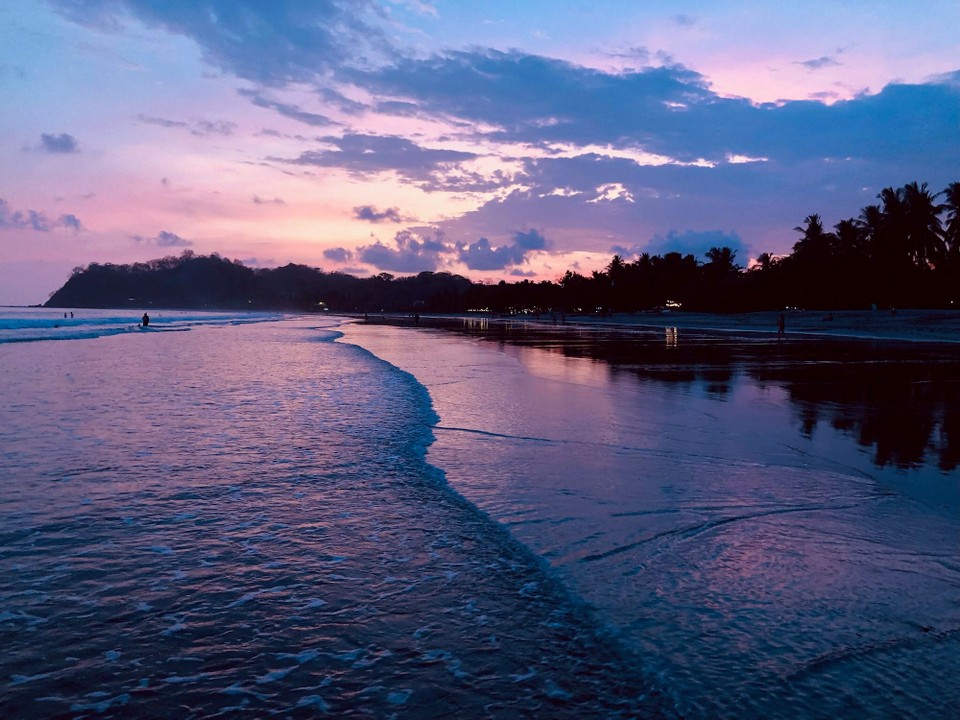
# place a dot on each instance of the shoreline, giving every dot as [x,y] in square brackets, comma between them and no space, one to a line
[911,326]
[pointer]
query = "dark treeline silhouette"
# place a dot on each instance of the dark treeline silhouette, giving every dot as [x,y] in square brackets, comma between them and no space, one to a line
[213,282]
[903,251]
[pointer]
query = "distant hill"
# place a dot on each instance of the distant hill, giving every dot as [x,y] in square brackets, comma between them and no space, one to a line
[216,283]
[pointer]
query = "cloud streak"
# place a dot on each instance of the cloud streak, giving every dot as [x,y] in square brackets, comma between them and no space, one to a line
[365,155]
[164,238]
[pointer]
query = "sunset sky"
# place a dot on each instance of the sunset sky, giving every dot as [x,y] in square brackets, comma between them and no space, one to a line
[494,139]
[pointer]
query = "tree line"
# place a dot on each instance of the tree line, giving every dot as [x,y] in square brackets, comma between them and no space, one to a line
[903,251]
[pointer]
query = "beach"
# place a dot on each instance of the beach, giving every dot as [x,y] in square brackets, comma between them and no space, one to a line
[907,325]
[772,525]
[303,515]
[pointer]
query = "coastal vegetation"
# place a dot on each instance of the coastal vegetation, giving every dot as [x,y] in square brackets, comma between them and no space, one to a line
[903,251]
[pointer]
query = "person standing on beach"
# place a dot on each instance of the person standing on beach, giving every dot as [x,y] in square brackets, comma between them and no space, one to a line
[145,319]
[781,327]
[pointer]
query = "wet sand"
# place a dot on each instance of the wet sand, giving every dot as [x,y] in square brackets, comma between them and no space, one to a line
[923,326]
[766,524]
[908,325]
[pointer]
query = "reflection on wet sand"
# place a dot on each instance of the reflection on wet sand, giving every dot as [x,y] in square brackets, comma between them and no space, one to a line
[900,400]
[755,571]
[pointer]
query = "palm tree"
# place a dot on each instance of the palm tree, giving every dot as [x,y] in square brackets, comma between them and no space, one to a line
[951,230]
[815,243]
[924,240]
[849,236]
[764,261]
[889,239]
[722,260]
[870,222]
[615,269]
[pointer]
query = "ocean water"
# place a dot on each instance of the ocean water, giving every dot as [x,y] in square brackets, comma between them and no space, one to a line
[237,520]
[33,324]
[301,516]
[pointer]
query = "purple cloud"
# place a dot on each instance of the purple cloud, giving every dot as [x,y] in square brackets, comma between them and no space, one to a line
[163,239]
[411,253]
[339,254]
[482,255]
[694,243]
[269,43]
[35,220]
[371,154]
[371,214]
[818,63]
[62,143]
[71,222]
[287,110]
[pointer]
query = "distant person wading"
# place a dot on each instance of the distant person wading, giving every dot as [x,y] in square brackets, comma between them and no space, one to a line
[145,320]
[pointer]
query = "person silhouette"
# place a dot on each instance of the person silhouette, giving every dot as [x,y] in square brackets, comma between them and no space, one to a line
[145,320]
[781,327]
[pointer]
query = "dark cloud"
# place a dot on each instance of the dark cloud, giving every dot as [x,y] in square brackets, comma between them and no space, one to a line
[71,222]
[371,214]
[411,253]
[667,110]
[536,99]
[339,254]
[169,239]
[273,43]
[695,243]
[530,240]
[398,108]
[482,255]
[163,239]
[35,220]
[628,253]
[161,122]
[818,63]
[257,200]
[23,219]
[371,154]
[62,143]
[213,127]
